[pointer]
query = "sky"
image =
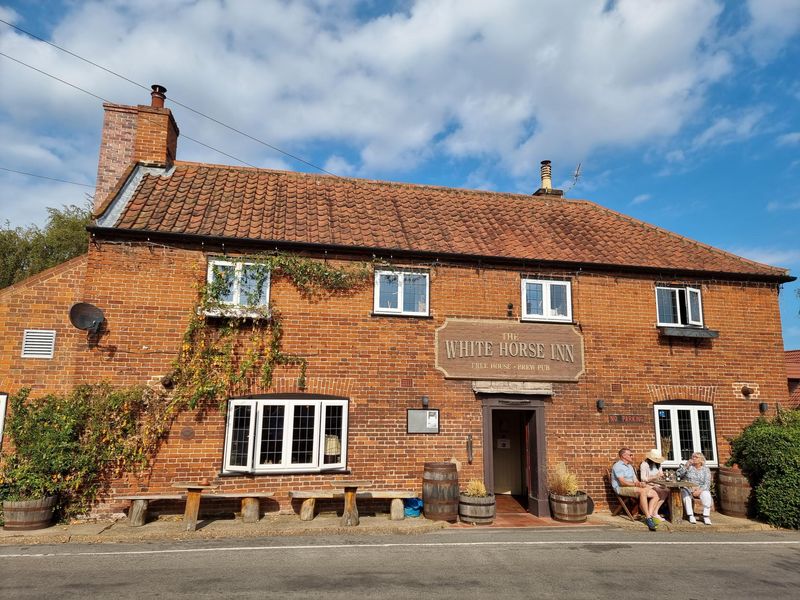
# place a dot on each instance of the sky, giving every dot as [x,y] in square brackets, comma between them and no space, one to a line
[683,113]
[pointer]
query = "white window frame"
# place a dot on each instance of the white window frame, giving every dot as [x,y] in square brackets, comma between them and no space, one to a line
[684,308]
[547,310]
[377,309]
[674,434]
[235,306]
[45,336]
[285,466]
[3,403]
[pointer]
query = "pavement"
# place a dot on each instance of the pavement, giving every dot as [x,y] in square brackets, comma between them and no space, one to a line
[171,528]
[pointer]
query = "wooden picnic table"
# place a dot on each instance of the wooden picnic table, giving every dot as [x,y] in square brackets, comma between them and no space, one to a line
[193,492]
[350,487]
[676,503]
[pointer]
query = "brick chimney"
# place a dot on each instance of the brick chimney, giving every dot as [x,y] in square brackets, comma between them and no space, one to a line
[133,134]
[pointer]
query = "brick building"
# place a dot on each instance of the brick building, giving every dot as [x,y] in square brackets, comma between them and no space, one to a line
[530,329]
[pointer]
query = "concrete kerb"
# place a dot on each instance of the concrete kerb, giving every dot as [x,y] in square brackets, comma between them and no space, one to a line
[172,528]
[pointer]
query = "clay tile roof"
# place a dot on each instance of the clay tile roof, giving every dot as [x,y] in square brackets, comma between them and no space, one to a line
[793,364]
[281,206]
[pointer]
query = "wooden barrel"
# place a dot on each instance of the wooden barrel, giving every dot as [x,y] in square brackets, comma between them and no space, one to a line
[21,515]
[569,508]
[734,492]
[478,510]
[440,491]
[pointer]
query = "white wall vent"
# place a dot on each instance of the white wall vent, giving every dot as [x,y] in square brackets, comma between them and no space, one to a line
[38,343]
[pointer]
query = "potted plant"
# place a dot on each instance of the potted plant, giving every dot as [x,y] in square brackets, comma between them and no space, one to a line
[33,472]
[567,503]
[475,504]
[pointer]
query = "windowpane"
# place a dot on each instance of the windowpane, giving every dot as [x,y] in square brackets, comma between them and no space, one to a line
[271,452]
[534,299]
[253,285]
[223,278]
[685,434]
[694,307]
[414,292]
[665,431]
[558,300]
[240,436]
[303,434]
[334,416]
[706,443]
[667,300]
[387,291]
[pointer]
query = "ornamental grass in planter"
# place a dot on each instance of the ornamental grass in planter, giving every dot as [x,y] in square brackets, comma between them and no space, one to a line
[475,504]
[567,502]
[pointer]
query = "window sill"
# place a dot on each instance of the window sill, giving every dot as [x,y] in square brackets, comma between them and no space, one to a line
[339,471]
[688,332]
[236,313]
[540,320]
[400,315]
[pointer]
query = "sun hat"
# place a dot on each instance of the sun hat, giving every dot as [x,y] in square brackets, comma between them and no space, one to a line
[655,456]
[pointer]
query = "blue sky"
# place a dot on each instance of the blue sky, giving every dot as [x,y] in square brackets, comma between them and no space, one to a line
[684,114]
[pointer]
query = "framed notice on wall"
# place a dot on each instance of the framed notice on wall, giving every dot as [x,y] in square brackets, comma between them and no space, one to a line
[3,401]
[425,420]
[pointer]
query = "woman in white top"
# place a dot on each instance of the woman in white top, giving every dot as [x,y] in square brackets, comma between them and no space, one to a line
[650,472]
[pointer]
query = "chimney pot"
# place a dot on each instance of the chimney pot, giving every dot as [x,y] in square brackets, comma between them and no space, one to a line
[547,181]
[157,96]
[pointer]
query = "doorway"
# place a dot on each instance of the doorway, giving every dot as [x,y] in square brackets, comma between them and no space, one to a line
[514,452]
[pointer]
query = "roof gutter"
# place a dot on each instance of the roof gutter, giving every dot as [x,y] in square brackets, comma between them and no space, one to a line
[222,243]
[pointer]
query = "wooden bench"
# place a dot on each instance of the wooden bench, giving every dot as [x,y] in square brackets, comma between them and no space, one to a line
[250,504]
[310,498]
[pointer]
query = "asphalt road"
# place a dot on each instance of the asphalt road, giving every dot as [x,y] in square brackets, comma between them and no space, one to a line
[450,564]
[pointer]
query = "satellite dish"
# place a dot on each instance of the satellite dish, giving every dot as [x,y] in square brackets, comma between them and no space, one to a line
[86,316]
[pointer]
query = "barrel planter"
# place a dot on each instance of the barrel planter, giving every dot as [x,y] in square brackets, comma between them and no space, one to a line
[478,510]
[440,491]
[734,492]
[572,509]
[21,515]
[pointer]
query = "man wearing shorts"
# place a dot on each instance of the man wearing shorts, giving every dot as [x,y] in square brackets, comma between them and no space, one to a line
[625,483]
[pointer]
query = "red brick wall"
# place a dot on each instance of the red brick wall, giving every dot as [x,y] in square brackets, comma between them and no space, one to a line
[385,364]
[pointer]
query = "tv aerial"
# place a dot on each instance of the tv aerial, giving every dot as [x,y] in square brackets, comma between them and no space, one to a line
[87,317]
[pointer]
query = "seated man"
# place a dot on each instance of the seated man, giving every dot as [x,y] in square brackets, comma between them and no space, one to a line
[624,482]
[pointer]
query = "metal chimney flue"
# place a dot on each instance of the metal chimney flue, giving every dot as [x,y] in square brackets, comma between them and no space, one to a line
[547,181]
[157,96]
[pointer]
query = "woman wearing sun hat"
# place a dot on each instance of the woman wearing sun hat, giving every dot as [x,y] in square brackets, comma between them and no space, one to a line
[650,472]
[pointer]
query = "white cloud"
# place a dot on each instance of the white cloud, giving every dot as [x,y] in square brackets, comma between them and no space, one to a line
[641,199]
[772,23]
[774,206]
[789,139]
[785,257]
[729,129]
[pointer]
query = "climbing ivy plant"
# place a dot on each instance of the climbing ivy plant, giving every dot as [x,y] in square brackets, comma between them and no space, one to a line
[227,346]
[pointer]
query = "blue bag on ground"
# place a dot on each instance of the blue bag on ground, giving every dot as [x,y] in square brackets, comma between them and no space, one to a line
[412,507]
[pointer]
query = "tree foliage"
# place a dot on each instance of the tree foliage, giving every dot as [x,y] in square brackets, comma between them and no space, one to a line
[25,251]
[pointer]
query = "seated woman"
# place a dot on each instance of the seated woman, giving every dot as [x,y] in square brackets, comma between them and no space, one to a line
[650,472]
[696,471]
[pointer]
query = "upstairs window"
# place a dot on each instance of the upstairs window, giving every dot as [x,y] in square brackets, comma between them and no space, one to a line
[401,293]
[679,306]
[546,300]
[286,435]
[240,288]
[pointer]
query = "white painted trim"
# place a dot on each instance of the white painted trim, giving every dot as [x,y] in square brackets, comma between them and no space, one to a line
[3,405]
[377,309]
[547,308]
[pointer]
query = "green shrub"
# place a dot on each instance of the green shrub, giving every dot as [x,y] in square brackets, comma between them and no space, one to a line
[68,446]
[768,451]
[778,498]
